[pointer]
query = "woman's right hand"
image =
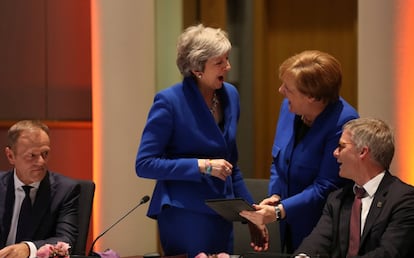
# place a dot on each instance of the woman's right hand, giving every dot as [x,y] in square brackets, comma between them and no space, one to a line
[219,168]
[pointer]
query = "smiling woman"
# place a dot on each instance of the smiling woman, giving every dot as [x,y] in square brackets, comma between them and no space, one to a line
[304,170]
[189,147]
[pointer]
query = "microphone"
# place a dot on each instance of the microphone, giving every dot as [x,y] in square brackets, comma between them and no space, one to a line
[143,200]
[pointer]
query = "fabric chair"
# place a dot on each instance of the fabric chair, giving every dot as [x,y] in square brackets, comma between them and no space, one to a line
[258,189]
[87,192]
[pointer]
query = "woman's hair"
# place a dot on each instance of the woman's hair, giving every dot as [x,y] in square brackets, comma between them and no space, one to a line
[24,125]
[374,134]
[317,74]
[197,44]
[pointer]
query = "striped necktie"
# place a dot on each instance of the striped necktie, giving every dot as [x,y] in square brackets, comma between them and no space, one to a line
[355,222]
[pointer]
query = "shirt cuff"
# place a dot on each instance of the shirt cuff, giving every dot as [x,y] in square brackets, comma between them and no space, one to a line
[33,249]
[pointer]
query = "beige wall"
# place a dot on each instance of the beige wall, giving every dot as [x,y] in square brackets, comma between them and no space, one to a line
[123,61]
[169,25]
[376,82]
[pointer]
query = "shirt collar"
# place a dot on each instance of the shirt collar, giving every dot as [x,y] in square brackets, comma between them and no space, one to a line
[372,185]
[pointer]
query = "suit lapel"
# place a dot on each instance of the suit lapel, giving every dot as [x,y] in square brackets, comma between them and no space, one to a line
[344,218]
[377,204]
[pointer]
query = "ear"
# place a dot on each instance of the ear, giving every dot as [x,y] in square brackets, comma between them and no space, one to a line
[10,155]
[364,152]
[310,99]
[196,73]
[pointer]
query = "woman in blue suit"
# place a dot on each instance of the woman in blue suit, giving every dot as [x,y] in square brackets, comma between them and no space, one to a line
[303,170]
[189,146]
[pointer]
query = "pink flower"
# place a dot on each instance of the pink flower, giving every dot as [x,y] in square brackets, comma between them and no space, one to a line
[220,255]
[201,255]
[44,251]
[60,250]
[223,255]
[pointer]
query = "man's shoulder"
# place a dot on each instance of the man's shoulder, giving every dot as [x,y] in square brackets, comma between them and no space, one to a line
[5,174]
[397,186]
[342,191]
[57,178]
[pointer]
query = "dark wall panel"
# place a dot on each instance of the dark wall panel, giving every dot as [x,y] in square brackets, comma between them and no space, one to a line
[45,60]
[22,59]
[69,60]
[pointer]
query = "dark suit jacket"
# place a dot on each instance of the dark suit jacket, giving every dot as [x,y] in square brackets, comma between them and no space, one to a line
[55,209]
[388,230]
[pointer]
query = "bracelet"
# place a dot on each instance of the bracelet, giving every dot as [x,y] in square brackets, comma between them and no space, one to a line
[278,213]
[209,167]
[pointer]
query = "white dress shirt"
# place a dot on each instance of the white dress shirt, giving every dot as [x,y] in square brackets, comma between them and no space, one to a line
[370,187]
[19,196]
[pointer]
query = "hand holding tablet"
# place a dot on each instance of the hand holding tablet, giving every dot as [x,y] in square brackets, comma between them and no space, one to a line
[230,208]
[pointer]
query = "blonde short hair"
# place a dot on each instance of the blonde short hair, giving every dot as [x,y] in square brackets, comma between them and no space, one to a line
[317,74]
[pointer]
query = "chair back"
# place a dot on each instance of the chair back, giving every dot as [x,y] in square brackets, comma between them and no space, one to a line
[87,192]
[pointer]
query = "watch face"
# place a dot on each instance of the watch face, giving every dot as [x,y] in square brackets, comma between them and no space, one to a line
[278,213]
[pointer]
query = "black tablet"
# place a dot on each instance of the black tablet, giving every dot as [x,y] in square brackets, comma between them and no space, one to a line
[230,208]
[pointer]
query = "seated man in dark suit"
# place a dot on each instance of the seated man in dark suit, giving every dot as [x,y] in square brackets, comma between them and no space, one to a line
[52,215]
[384,226]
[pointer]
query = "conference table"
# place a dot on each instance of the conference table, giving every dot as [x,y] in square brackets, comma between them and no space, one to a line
[246,255]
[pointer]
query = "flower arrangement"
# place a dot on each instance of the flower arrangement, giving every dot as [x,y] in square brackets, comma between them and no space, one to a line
[60,250]
[220,255]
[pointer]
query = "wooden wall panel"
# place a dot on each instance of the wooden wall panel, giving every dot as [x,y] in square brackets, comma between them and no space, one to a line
[22,58]
[211,13]
[45,60]
[69,60]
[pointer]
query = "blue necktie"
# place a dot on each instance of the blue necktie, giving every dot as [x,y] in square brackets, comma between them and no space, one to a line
[24,223]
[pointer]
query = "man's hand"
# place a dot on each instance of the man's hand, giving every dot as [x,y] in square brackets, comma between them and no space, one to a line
[20,250]
[259,237]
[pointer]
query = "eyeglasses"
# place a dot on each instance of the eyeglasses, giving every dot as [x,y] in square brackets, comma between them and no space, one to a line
[342,145]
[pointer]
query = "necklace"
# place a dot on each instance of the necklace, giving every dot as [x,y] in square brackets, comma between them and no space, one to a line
[214,103]
[306,121]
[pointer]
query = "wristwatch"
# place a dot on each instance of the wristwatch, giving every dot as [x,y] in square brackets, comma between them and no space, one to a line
[278,213]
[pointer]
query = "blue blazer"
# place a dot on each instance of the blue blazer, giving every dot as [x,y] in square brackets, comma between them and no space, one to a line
[55,209]
[180,129]
[304,175]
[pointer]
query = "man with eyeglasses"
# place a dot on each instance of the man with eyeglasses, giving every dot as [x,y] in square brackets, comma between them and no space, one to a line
[385,215]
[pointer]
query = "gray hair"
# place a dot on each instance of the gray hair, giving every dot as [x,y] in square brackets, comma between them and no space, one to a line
[374,134]
[18,128]
[197,44]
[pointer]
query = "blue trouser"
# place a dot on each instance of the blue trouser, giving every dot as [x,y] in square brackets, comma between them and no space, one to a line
[188,232]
